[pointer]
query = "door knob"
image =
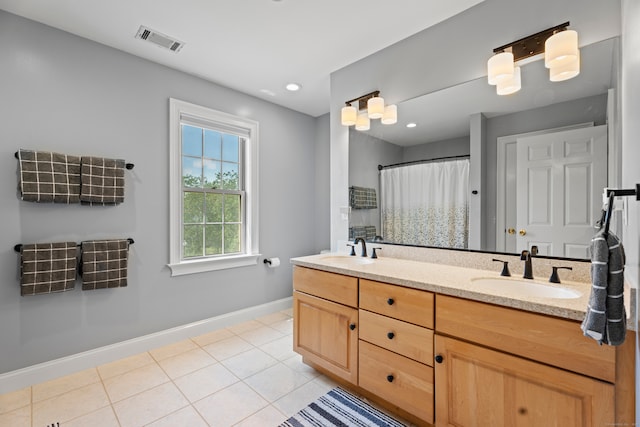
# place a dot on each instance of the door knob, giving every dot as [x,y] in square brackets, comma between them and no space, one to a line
[522,232]
[511,230]
[439,358]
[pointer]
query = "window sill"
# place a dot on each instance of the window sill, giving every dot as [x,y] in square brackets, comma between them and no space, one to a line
[212,264]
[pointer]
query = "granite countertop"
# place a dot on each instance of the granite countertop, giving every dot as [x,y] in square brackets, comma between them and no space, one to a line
[459,282]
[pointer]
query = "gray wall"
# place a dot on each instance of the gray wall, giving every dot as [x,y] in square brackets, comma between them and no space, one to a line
[591,109]
[432,150]
[67,94]
[321,210]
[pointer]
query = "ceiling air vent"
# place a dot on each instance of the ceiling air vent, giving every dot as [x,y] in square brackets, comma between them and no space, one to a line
[159,39]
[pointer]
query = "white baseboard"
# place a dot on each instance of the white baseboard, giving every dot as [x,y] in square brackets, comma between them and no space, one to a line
[46,371]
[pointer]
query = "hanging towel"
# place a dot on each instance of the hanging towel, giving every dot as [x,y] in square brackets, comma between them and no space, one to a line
[362,198]
[102,181]
[49,177]
[357,231]
[104,264]
[606,316]
[370,232]
[47,268]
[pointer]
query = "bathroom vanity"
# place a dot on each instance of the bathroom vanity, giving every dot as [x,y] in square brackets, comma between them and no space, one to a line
[430,342]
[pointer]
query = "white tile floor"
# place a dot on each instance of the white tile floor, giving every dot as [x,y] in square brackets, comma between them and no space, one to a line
[244,375]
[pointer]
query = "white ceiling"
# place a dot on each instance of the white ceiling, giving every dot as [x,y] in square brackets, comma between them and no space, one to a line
[253,46]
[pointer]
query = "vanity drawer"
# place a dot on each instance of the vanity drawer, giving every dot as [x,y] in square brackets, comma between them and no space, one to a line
[411,305]
[334,287]
[406,339]
[397,379]
[550,340]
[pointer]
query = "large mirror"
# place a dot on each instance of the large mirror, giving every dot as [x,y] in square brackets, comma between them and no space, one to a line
[512,129]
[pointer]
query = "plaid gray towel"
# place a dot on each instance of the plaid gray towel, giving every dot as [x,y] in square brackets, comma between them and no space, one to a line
[49,177]
[47,268]
[362,198]
[104,264]
[102,181]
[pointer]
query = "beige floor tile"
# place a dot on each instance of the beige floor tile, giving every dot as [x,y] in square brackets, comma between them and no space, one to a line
[14,400]
[268,416]
[185,363]
[280,349]
[276,381]
[172,349]
[284,326]
[272,318]
[104,417]
[261,335]
[185,417]
[205,382]
[65,384]
[248,363]
[295,362]
[68,406]
[245,326]
[17,418]
[231,405]
[211,337]
[127,364]
[288,312]
[227,348]
[325,382]
[133,382]
[293,402]
[150,405]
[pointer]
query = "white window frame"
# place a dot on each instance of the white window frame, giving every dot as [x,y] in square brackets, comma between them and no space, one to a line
[177,111]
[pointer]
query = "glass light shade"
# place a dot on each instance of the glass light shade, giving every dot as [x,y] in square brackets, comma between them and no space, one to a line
[510,85]
[363,122]
[500,67]
[561,48]
[390,116]
[375,107]
[565,71]
[348,115]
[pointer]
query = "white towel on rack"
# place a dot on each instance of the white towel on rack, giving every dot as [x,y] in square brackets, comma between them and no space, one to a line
[605,320]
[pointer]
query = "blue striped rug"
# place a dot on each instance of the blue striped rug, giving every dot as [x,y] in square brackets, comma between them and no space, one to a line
[340,409]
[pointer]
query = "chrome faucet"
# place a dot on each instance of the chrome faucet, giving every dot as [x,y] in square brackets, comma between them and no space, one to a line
[364,245]
[526,257]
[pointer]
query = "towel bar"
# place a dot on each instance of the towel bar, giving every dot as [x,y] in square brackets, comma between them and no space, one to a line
[625,192]
[129,166]
[18,247]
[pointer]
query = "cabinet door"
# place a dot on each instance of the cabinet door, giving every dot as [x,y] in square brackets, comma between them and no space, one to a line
[476,386]
[325,333]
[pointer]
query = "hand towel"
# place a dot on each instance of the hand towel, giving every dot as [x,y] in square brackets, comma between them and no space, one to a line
[49,177]
[605,320]
[47,268]
[362,198]
[104,264]
[102,181]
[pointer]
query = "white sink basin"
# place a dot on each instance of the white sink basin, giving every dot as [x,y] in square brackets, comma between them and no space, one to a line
[348,260]
[516,287]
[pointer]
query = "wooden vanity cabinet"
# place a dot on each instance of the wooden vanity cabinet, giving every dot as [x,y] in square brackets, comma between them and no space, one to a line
[504,367]
[325,321]
[396,346]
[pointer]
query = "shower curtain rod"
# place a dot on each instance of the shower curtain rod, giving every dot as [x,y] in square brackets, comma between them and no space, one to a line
[415,162]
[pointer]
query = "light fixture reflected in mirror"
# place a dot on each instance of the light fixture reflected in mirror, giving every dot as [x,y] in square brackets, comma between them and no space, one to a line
[373,103]
[560,48]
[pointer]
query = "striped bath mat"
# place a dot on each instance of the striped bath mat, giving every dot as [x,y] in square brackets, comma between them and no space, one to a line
[342,409]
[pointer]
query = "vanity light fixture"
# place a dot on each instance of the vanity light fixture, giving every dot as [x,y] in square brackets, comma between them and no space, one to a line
[560,48]
[374,108]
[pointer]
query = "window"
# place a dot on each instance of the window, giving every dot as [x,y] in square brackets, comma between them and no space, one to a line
[213,190]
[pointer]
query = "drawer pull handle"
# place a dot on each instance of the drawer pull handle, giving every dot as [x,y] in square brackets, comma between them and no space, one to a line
[439,358]
[352,326]
[390,378]
[390,335]
[390,301]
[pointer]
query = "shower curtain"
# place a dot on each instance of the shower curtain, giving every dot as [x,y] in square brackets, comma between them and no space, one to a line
[426,204]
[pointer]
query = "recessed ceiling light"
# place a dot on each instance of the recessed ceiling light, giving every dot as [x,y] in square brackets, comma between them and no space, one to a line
[293,87]
[411,125]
